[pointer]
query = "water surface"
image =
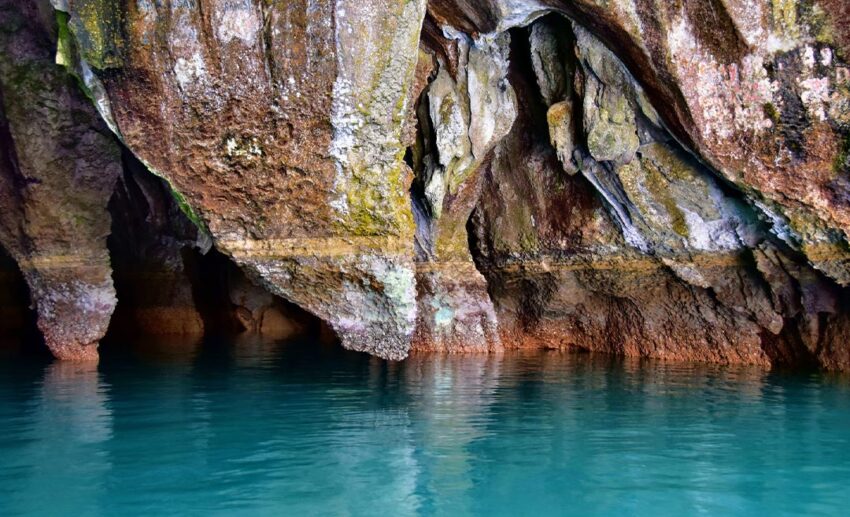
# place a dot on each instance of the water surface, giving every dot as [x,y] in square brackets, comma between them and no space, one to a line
[257,428]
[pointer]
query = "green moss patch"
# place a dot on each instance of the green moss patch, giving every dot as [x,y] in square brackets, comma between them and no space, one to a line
[97,28]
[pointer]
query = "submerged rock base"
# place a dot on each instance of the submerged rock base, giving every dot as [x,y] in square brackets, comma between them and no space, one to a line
[641,309]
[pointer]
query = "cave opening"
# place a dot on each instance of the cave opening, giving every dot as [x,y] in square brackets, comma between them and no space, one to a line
[177,294]
[19,334]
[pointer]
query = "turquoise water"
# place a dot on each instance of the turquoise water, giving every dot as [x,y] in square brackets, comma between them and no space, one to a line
[297,429]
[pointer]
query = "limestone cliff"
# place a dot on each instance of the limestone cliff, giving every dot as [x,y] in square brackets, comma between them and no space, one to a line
[642,177]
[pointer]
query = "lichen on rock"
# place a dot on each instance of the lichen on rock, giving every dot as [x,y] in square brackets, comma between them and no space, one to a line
[468,112]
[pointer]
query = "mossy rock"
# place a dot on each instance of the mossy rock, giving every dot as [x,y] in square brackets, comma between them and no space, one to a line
[97,28]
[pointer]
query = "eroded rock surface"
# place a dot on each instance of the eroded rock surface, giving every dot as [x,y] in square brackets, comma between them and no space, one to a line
[759,89]
[281,124]
[58,165]
[462,116]
[650,178]
[154,248]
[665,260]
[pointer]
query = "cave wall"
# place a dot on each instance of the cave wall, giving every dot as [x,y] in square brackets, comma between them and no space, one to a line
[615,238]
[637,177]
[170,281]
[280,127]
[152,245]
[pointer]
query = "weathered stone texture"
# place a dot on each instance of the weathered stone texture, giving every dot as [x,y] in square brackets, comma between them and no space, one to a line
[642,177]
[153,246]
[281,124]
[759,89]
[58,165]
[671,264]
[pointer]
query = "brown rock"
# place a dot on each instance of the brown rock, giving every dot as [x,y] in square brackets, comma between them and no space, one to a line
[58,164]
[646,178]
[282,127]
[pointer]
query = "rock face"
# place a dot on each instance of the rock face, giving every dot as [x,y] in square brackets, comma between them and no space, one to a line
[674,265]
[650,178]
[463,113]
[58,165]
[281,126]
[759,90]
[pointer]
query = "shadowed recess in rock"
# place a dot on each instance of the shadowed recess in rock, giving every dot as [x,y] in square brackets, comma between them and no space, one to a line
[172,285]
[19,334]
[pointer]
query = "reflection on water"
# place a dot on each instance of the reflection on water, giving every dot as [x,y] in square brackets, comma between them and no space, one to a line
[262,427]
[65,423]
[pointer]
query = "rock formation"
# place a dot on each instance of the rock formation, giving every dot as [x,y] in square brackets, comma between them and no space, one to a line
[463,113]
[281,128]
[58,166]
[649,178]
